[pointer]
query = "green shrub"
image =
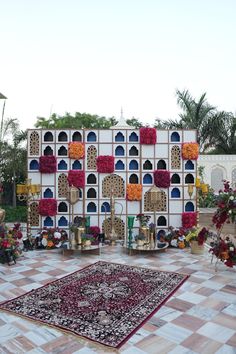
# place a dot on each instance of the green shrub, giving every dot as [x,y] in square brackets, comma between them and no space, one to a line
[15,214]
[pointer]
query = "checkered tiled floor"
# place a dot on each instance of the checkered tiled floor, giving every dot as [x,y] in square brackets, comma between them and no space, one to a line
[199,318]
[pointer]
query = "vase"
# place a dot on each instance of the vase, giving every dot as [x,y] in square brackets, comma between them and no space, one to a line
[87,243]
[80,230]
[196,248]
[145,231]
[140,243]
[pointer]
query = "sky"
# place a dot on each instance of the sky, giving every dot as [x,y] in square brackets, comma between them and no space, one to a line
[97,56]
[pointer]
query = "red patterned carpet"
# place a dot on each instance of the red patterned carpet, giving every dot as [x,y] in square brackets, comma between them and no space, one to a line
[104,302]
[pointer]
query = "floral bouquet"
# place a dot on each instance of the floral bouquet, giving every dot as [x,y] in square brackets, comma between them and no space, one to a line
[225,251]
[51,238]
[143,219]
[9,243]
[197,234]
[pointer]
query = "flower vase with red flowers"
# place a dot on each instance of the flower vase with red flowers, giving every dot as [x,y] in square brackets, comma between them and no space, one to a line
[224,249]
[9,243]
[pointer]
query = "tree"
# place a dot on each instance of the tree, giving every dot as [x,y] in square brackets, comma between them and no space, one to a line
[223,131]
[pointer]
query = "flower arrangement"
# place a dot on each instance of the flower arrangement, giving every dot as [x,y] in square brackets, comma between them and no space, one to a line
[105,163]
[47,164]
[87,237]
[95,231]
[76,150]
[162,178]
[9,243]
[225,251]
[143,219]
[47,207]
[197,234]
[148,136]
[140,237]
[51,238]
[133,192]
[189,219]
[76,178]
[190,151]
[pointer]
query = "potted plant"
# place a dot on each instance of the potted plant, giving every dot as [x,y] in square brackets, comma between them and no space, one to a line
[140,238]
[87,239]
[197,237]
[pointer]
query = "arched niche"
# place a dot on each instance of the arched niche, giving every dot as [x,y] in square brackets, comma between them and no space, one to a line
[91,179]
[161,221]
[91,208]
[175,179]
[91,193]
[119,151]
[34,165]
[175,193]
[113,185]
[62,207]
[62,151]
[105,208]
[189,165]
[147,178]
[119,137]
[175,137]
[34,143]
[133,165]
[175,157]
[133,179]
[133,137]
[161,165]
[217,176]
[62,222]
[62,165]
[91,137]
[147,165]
[76,165]
[48,136]
[76,136]
[189,179]
[133,151]
[189,206]
[48,151]
[48,193]
[91,158]
[62,136]
[119,165]
[48,222]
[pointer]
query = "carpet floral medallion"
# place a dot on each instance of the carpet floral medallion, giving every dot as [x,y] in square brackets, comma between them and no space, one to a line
[104,302]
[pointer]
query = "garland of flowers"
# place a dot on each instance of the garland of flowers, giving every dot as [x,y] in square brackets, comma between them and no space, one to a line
[47,207]
[47,164]
[76,150]
[148,136]
[76,178]
[162,178]
[105,163]
[133,192]
[190,151]
[189,219]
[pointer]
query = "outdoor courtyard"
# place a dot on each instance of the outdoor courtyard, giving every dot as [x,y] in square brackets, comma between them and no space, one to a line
[200,317]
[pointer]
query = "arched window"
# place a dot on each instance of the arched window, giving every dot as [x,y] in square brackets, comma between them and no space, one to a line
[217,176]
[133,151]
[62,221]
[119,165]
[62,207]
[147,179]
[147,165]
[175,157]
[133,137]
[161,221]
[175,137]
[133,179]
[161,165]
[62,151]
[119,151]
[105,207]
[76,136]
[189,206]
[175,193]
[91,136]
[91,158]
[119,137]
[48,136]
[62,136]
[189,178]
[48,222]
[189,165]
[76,165]
[91,179]
[34,165]
[48,151]
[91,193]
[91,207]
[133,165]
[34,143]
[48,193]
[62,165]
[175,179]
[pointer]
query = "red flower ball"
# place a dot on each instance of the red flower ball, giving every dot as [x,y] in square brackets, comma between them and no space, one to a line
[47,164]
[76,178]
[162,178]
[48,207]
[105,164]
[189,219]
[148,136]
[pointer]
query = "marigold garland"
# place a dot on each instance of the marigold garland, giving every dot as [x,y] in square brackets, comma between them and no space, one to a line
[134,192]
[148,136]
[47,207]
[76,150]
[162,178]
[190,151]
[105,163]
[189,219]
[76,178]
[47,164]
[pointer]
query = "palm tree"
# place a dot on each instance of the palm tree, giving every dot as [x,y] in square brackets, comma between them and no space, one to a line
[224,133]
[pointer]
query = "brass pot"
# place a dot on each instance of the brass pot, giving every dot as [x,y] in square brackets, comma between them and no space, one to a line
[196,248]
